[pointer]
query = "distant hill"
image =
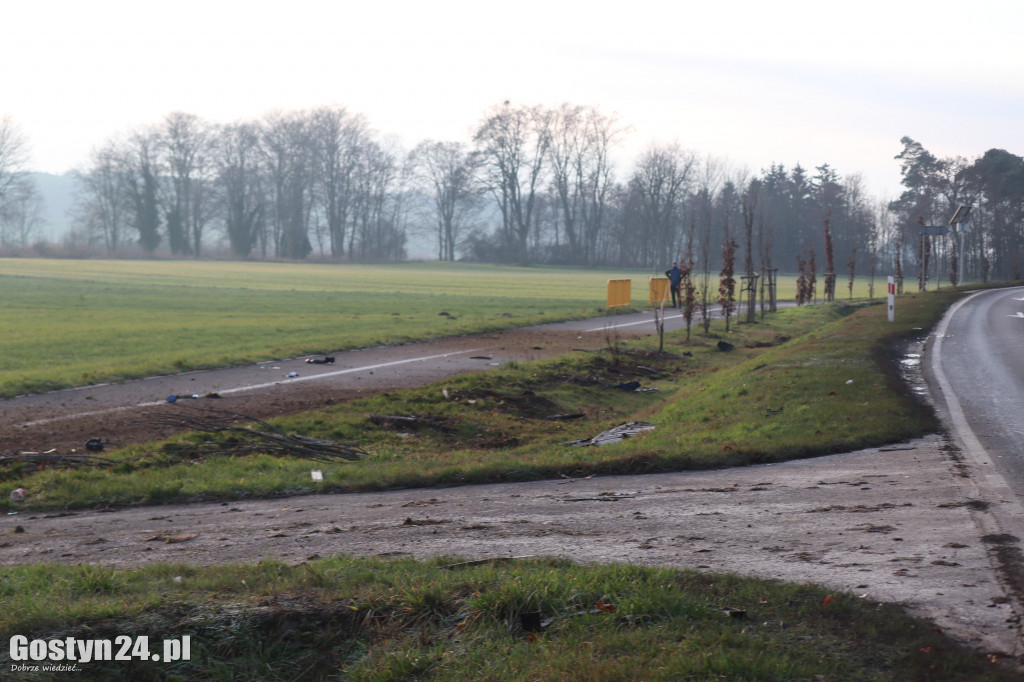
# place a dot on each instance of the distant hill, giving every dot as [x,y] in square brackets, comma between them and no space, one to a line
[58,192]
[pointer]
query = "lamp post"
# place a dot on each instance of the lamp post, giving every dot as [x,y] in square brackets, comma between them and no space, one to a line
[959,220]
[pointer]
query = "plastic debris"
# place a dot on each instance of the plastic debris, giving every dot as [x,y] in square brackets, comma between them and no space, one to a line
[317,475]
[615,435]
[327,360]
[18,495]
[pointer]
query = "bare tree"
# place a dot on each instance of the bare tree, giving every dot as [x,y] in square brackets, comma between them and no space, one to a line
[22,214]
[14,156]
[378,229]
[289,148]
[236,156]
[20,202]
[513,144]
[749,202]
[446,171]
[659,182]
[186,145]
[140,173]
[101,210]
[708,186]
[342,139]
[581,140]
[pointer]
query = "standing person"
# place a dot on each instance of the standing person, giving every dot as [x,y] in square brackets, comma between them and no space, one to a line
[675,280]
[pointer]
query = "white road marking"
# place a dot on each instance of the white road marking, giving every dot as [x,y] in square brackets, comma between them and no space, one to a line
[254,387]
[631,324]
[1020,315]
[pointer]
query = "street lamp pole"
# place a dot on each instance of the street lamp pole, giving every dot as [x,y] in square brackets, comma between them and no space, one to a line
[959,220]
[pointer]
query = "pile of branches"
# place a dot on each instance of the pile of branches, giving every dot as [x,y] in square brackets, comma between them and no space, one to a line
[51,458]
[247,435]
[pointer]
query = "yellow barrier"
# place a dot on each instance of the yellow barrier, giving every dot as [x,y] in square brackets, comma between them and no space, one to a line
[659,290]
[619,292]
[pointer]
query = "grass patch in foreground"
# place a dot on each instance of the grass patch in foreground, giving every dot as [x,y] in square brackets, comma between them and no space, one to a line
[371,619]
[783,392]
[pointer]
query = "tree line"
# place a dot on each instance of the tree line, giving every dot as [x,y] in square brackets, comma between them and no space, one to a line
[534,184]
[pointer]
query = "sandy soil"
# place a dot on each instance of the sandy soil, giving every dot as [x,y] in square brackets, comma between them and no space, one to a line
[905,524]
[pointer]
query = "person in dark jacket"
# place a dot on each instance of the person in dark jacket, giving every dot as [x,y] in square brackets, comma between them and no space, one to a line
[675,281]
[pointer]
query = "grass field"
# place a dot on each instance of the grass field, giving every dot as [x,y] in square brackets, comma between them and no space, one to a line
[804,382]
[372,619]
[70,323]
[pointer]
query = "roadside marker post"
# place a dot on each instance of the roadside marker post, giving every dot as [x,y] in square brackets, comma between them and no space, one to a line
[892,298]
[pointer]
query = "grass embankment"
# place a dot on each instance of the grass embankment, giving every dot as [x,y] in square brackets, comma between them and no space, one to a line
[344,618]
[370,619]
[803,382]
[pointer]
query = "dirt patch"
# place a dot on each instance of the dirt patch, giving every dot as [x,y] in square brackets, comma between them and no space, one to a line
[781,521]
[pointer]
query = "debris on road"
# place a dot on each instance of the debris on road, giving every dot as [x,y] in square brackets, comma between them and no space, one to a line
[327,360]
[616,434]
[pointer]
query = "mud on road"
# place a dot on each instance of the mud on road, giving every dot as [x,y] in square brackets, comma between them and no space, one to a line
[903,524]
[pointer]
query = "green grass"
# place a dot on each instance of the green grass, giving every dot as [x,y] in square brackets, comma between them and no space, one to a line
[804,382]
[372,619]
[783,392]
[73,323]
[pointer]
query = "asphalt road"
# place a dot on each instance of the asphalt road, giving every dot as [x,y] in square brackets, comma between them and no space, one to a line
[977,363]
[363,370]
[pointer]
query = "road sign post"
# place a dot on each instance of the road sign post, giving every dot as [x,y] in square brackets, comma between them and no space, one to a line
[892,298]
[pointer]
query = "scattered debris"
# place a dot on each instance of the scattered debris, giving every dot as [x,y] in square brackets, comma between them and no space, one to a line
[175,398]
[490,560]
[411,422]
[616,434]
[633,386]
[734,613]
[171,539]
[531,621]
[725,346]
[95,444]
[409,521]
[327,360]
[563,417]
[480,357]
[603,498]
[248,440]
[51,458]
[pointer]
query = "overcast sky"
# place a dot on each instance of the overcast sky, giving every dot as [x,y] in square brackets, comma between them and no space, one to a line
[751,82]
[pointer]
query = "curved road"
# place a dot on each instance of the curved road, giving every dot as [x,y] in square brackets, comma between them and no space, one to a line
[977,361]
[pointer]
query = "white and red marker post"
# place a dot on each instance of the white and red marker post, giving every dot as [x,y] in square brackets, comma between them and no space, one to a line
[892,298]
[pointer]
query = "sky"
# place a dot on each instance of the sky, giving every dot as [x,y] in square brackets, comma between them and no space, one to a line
[750,83]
